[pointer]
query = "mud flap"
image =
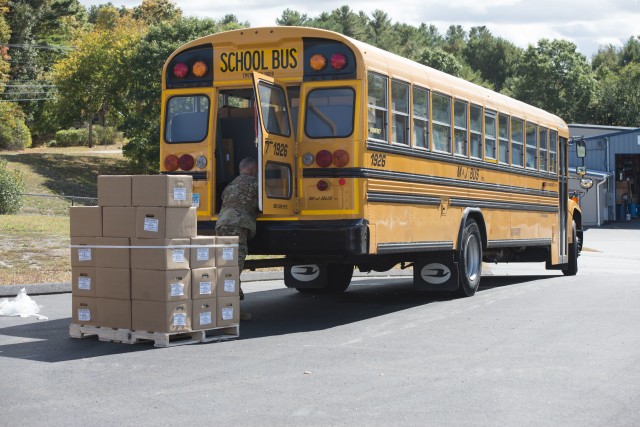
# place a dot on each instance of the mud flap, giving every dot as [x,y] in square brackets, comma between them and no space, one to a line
[306,276]
[435,272]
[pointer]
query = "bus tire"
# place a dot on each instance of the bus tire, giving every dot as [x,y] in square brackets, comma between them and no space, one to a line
[470,264]
[339,276]
[572,266]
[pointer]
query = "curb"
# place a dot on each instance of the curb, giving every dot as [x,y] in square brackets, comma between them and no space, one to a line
[247,276]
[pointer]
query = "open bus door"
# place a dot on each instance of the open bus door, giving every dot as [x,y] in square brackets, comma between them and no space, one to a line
[276,148]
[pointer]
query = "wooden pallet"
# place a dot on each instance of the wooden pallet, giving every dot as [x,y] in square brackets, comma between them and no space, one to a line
[160,339]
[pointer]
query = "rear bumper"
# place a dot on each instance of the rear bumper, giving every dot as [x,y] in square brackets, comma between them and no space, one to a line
[332,238]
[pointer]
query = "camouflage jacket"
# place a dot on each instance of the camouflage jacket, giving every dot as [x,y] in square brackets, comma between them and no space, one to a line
[240,204]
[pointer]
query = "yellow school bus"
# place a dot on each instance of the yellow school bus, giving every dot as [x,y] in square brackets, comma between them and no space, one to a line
[367,159]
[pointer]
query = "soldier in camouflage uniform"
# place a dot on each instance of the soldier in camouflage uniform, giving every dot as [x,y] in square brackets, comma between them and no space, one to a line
[239,209]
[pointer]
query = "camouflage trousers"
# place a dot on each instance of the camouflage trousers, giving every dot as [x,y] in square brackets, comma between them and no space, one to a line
[243,249]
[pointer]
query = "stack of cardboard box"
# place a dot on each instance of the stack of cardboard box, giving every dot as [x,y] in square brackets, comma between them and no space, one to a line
[138,264]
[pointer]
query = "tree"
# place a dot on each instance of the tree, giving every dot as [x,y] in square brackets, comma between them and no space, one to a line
[440,60]
[292,18]
[494,58]
[91,76]
[381,32]
[618,97]
[141,74]
[156,11]
[555,77]
[455,40]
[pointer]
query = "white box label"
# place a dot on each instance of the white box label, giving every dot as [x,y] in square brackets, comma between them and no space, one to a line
[177,289]
[151,224]
[84,283]
[227,313]
[205,318]
[179,319]
[177,255]
[227,254]
[202,254]
[195,200]
[205,288]
[229,285]
[84,254]
[84,314]
[180,194]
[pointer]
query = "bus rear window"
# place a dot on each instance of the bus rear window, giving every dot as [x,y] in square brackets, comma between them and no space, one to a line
[187,119]
[329,113]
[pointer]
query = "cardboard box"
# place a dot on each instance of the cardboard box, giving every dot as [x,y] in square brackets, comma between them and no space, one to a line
[117,253]
[203,257]
[119,221]
[203,283]
[114,190]
[228,311]
[156,285]
[113,283]
[85,221]
[84,311]
[227,281]
[162,190]
[83,281]
[155,316]
[165,223]
[114,313]
[160,254]
[83,256]
[226,251]
[204,314]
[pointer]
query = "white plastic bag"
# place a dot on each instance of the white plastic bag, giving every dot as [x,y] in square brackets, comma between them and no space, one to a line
[22,305]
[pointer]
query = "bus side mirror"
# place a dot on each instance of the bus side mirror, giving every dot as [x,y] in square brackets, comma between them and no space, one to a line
[586,183]
[581,149]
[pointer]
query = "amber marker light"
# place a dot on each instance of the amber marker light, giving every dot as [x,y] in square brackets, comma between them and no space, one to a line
[340,158]
[171,163]
[318,62]
[180,70]
[338,61]
[199,69]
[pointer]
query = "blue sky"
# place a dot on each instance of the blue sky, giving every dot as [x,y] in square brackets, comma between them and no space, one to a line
[587,23]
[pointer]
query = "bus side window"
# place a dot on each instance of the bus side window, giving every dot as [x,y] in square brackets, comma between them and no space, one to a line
[490,135]
[460,124]
[400,112]
[532,146]
[517,142]
[420,117]
[377,100]
[503,141]
[475,120]
[441,122]
[543,149]
[553,151]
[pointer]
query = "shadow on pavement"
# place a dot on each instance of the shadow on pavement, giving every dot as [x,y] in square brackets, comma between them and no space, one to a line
[275,312]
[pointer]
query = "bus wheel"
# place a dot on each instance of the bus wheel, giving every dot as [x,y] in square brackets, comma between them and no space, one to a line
[470,259]
[339,277]
[572,266]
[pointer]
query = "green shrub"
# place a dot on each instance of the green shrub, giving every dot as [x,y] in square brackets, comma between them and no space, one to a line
[72,137]
[11,188]
[14,133]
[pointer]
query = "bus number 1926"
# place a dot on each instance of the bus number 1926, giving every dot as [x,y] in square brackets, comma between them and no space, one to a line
[378,159]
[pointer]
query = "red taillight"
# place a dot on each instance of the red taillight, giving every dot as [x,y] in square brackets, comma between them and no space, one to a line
[180,70]
[338,61]
[340,158]
[322,185]
[324,158]
[318,62]
[342,181]
[171,163]
[200,69]
[186,162]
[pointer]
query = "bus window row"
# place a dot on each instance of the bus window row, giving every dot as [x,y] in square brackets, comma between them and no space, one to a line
[418,117]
